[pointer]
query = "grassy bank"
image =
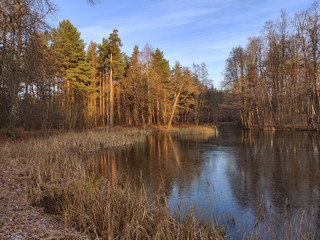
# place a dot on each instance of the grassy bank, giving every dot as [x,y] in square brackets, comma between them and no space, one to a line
[190,130]
[58,177]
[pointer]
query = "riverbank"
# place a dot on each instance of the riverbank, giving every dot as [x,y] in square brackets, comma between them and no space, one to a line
[283,127]
[57,178]
[18,218]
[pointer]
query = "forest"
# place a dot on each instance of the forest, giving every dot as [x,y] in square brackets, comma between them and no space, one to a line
[53,84]
[51,79]
[274,81]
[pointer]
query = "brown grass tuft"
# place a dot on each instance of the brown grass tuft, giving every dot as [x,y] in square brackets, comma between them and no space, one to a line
[193,130]
[61,180]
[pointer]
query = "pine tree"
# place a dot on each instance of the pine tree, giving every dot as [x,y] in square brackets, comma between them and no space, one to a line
[92,59]
[103,102]
[146,57]
[136,87]
[73,69]
[161,75]
[112,61]
[116,67]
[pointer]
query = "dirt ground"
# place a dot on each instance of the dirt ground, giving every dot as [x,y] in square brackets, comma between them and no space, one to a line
[18,219]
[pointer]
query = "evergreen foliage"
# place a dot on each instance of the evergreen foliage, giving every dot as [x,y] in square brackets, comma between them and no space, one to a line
[73,70]
[48,80]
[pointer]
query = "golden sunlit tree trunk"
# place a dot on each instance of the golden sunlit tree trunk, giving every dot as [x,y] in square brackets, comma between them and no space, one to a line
[174,107]
[119,103]
[111,100]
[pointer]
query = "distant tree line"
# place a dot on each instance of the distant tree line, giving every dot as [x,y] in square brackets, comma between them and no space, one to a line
[274,81]
[49,79]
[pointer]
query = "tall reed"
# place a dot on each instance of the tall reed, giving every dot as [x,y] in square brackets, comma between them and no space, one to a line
[60,179]
[193,130]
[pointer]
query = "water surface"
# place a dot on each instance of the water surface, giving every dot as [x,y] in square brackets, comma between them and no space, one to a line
[240,178]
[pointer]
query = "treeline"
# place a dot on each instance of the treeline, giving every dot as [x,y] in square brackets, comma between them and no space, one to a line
[49,79]
[274,81]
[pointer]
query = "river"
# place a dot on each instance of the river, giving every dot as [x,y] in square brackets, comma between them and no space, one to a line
[256,182]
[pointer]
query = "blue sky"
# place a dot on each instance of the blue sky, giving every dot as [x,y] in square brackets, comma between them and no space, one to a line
[188,31]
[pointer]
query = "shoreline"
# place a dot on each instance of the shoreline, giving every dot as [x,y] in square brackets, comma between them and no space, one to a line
[18,218]
[30,192]
[45,163]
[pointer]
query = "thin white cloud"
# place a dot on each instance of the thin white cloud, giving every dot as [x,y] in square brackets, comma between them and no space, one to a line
[147,21]
[190,31]
[144,21]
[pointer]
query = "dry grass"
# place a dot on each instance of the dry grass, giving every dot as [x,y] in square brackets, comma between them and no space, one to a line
[60,179]
[193,130]
[62,182]
[299,225]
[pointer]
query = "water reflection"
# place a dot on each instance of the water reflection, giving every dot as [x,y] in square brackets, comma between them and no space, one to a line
[278,166]
[238,174]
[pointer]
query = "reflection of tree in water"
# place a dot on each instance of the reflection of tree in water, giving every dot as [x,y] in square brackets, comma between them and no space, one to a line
[163,161]
[277,166]
[273,165]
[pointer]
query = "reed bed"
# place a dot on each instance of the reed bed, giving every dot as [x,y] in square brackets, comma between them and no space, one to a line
[298,226]
[61,181]
[193,130]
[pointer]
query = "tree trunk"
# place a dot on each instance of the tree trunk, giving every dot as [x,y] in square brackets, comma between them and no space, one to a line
[104,98]
[158,112]
[101,102]
[111,96]
[174,109]
[118,103]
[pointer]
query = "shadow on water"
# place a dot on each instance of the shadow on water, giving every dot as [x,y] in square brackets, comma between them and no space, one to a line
[256,182]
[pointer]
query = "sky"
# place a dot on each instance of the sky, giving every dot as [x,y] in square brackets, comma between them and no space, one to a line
[188,31]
